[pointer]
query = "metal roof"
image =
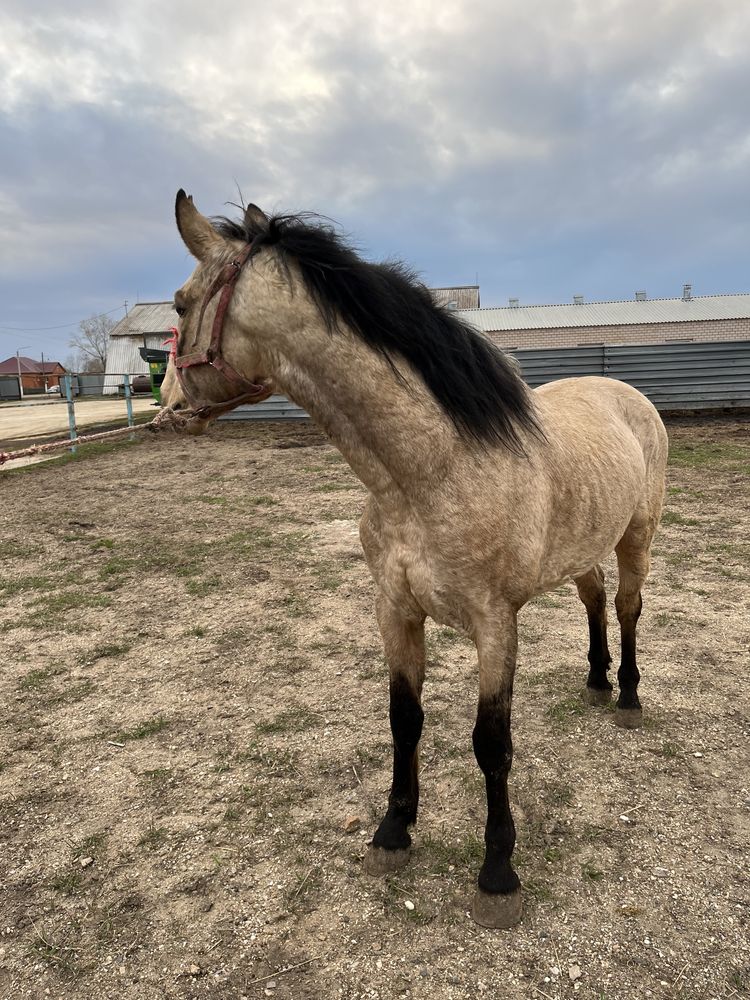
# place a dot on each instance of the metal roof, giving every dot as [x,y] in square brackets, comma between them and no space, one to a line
[146,317]
[700,307]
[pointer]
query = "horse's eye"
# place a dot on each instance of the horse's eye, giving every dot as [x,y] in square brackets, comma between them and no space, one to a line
[180,310]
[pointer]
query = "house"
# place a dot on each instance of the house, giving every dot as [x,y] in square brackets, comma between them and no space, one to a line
[36,376]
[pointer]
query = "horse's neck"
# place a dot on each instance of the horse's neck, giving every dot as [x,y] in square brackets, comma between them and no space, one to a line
[395,437]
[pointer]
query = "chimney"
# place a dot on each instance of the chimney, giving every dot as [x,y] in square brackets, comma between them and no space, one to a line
[577,300]
[640,296]
[687,293]
[513,303]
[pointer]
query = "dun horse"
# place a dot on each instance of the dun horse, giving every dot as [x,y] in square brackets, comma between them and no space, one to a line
[482,494]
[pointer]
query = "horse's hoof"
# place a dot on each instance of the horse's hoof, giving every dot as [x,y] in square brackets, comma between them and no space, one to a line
[378,861]
[498,910]
[596,696]
[629,718]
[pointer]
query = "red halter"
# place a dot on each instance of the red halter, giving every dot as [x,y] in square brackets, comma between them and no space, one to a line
[251,391]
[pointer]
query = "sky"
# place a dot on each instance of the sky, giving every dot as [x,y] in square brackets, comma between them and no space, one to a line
[543,149]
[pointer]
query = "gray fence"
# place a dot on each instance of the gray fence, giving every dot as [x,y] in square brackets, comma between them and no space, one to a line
[685,376]
[10,387]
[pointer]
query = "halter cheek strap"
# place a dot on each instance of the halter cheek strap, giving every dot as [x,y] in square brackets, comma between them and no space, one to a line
[251,392]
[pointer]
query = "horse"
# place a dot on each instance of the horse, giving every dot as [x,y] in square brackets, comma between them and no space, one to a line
[482,493]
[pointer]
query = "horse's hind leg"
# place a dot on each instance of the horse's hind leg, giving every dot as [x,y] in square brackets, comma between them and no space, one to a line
[633,561]
[403,639]
[598,690]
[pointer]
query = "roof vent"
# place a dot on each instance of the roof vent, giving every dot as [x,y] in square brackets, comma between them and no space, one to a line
[640,296]
[513,303]
[687,293]
[577,300]
[452,305]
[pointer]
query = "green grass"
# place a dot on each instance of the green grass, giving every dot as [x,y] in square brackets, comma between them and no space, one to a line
[154,837]
[149,728]
[50,608]
[566,710]
[8,588]
[672,517]
[90,846]
[333,487]
[68,882]
[37,679]
[546,601]
[590,873]
[108,650]
[297,719]
[692,456]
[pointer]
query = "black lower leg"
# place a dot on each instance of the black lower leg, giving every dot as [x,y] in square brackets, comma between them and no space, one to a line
[493,749]
[599,657]
[406,725]
[628,675]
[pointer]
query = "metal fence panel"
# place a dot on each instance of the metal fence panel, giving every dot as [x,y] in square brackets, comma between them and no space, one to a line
[540,365]
[273,408]
[687,376]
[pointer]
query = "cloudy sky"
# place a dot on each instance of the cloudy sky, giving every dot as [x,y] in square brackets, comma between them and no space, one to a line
[548,148]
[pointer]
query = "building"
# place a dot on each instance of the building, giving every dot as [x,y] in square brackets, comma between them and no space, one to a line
[640,320]
[36,376]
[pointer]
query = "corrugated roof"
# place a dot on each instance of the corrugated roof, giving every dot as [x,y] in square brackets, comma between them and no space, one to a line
[701,307]
[146,317]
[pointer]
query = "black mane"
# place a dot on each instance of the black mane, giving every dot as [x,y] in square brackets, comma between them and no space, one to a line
[389,308]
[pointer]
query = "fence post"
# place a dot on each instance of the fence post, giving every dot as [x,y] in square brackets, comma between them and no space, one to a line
[68,380]
[128,399]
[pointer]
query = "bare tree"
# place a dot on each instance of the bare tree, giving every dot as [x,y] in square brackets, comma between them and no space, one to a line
[92,342]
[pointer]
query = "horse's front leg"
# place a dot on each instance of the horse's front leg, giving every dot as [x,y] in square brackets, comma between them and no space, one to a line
[497,902]
[403,640]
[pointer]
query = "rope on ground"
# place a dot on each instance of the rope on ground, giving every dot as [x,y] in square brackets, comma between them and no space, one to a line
[38,449]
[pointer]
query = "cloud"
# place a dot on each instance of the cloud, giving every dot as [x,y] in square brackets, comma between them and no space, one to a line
[591,146]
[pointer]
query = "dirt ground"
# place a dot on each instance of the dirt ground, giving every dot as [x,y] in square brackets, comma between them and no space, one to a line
[22,424]
[195,746]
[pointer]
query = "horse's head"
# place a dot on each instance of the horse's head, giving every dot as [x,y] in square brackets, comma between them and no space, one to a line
[220,360]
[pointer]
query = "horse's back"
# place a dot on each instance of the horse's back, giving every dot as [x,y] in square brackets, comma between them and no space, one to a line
[605,407]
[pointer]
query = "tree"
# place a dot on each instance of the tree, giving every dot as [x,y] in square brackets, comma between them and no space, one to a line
[92,342]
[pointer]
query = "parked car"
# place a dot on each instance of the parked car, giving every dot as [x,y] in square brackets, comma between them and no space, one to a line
[53,389]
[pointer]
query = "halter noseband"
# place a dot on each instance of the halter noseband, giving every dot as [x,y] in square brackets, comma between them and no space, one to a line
[251,392]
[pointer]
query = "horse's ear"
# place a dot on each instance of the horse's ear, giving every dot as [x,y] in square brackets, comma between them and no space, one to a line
[197,233]
[256,219]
